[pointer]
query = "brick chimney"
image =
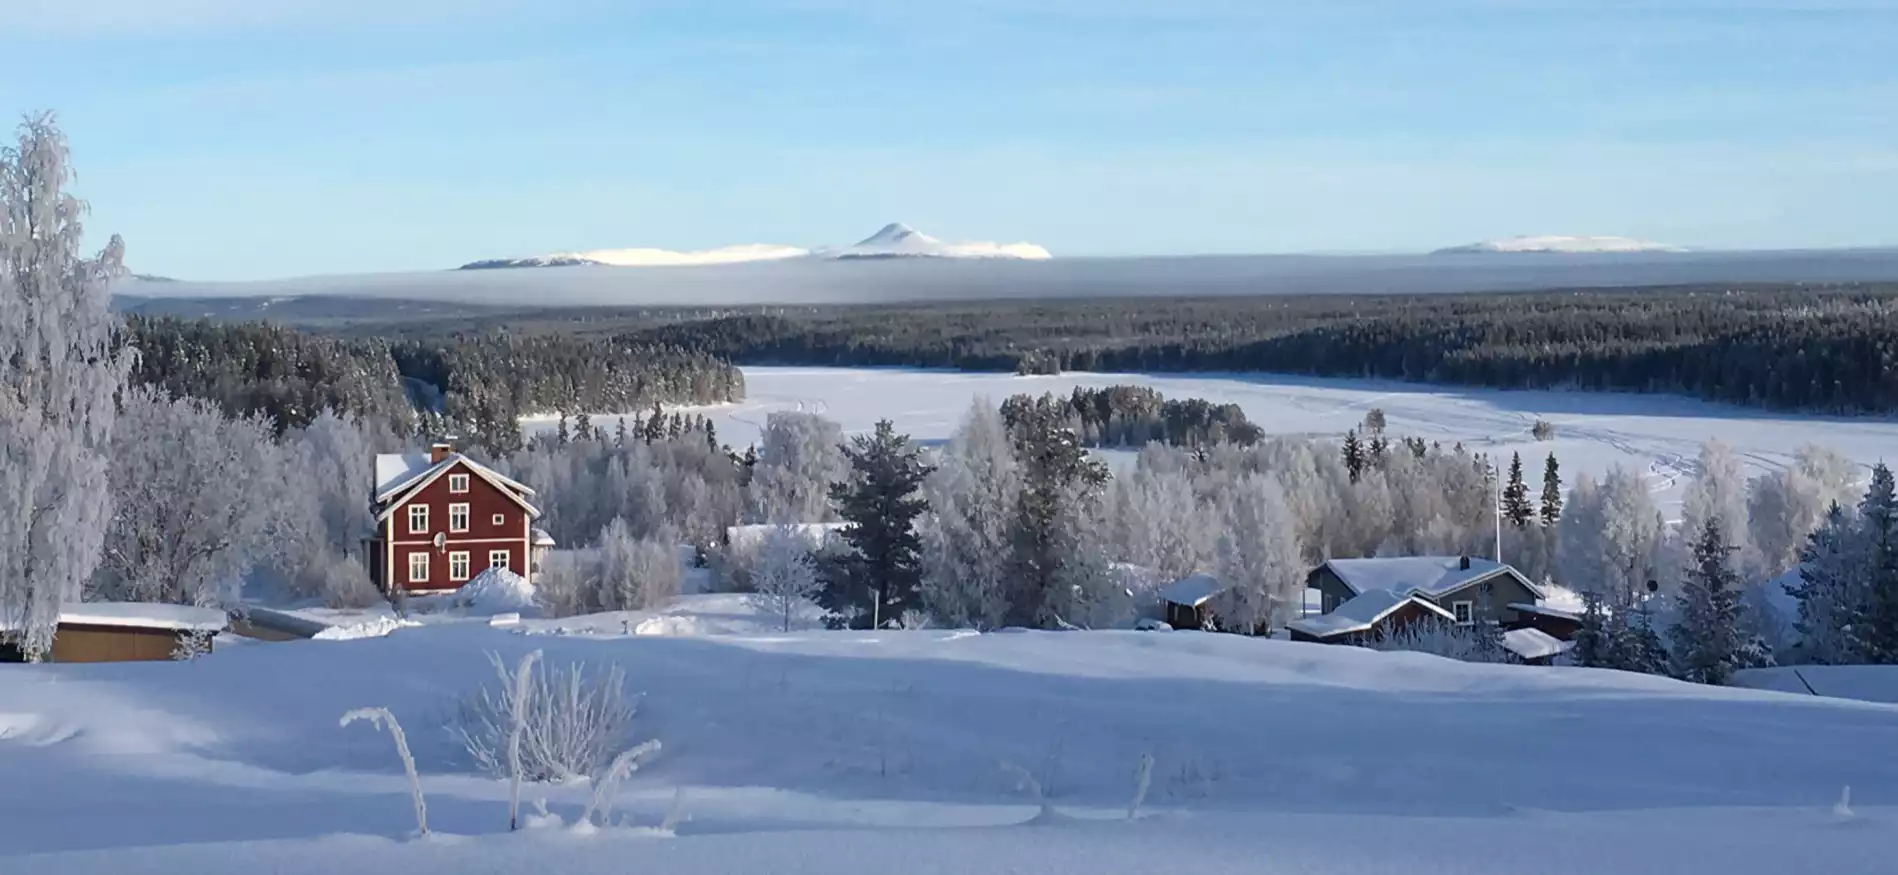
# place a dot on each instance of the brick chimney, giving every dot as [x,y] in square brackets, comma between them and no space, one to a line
[1464,563]
[441,449]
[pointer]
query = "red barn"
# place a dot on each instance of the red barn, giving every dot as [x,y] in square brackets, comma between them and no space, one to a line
[442,518]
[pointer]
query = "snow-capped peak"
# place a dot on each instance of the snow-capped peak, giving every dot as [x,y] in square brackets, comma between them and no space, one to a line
[1558,243]
[894,234]
[897,240]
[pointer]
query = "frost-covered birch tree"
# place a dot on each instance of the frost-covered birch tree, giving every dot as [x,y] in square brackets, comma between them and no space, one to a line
[968,536]
[195,501]
[1609,536]
[1717,489]
[799,457]
[783,576]
[1258,557]
[1785,506]
[59,370]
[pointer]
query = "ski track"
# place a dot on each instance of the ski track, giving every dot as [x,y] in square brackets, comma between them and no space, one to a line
[1657,436]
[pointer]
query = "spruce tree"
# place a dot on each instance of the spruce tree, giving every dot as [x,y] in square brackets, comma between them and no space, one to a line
[1831,599]
[1707,640]
[583,428]
[561,435]
[875,581]
[1551,492]
[619,433]
[1878,537]
[1056,472]
[1516,507]
[1353,454]
[1379,449]
[1591,648]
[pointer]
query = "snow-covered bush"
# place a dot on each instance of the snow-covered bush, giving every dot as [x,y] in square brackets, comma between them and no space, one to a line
[337,578]
[783,576]
[625,573]
[495,591]
[1445,638]
[574,722]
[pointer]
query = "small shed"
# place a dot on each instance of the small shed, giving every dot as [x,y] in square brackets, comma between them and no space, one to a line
[1534,646]
[125,632]
[1186,601]
[1366,618]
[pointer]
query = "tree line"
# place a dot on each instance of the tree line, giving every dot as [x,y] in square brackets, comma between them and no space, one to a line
[1134,416]
[475,385]
[1830,347]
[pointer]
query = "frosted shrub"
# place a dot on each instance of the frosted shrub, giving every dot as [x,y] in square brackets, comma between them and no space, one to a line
[1443,638]
[573,724]
[1543,430]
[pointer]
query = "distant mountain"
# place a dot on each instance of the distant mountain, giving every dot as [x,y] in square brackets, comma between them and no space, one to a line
[895,240]
[1560,244]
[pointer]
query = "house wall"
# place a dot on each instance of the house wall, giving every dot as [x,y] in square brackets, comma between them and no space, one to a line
[1332,588]
[1505,589]
[79,643]
[484,500]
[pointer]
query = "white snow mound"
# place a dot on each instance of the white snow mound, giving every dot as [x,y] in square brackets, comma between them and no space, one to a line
[373,628]
[494,591]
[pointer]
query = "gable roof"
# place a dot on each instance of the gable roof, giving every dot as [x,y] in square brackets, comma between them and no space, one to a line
[1428,576]
[1192,590]
[1362,613]
[407,481]
[1544,610]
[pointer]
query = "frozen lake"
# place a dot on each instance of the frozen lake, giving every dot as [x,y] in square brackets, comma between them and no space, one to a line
[1656,434]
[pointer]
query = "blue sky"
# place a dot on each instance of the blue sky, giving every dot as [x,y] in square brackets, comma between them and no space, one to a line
[245,139]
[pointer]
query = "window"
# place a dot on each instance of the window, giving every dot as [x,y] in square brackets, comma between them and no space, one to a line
[458,565]
[418,567]
[1464,611]
[500,519]
[458,517]
[457,483]
[418,519]
[497,558]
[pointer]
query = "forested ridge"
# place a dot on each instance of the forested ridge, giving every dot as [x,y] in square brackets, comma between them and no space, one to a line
[1831,348]
[480,383]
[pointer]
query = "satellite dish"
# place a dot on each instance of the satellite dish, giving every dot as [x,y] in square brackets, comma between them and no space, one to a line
[441,541]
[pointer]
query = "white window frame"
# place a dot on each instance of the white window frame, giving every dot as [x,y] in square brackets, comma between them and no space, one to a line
[1465,613]
[421,566]
[458,558]
[500,519]
[505,557]
[418,519]
[458,511]
[457,483]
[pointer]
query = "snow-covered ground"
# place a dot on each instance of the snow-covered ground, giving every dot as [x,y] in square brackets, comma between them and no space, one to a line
[1656,434]
[843,753]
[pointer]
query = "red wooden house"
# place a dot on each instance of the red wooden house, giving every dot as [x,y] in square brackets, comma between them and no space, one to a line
[442,518]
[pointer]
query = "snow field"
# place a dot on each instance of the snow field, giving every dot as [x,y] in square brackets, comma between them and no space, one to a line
[1659,435]
[846,752]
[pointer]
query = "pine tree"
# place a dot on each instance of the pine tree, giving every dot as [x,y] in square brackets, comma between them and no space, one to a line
[619,433]
[875,581]
[561,436]
[1516,507]
[1380,448]
[711,435]
[583,428]
[1592,646]
[1708,645]
[655,429]
[1353,454]
[1551,492]
[1878,537]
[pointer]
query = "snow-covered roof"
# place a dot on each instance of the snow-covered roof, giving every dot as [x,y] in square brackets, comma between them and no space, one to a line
[542,539]
[1361,613]
[1429,576]
[395,469]
[1192,590]
[404,477]
[1544,610]
[1534,643]
[140,615]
